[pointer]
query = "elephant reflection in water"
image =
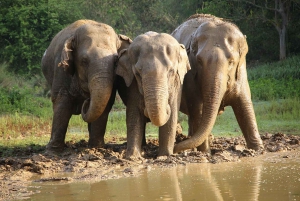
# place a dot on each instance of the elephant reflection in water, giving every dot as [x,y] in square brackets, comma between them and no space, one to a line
[196,182]
[193,182]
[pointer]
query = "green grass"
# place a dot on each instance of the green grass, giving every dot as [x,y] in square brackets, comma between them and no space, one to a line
[289,68]
[278,80]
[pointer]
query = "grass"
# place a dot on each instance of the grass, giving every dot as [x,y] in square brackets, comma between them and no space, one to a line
[26,112]
[277,80]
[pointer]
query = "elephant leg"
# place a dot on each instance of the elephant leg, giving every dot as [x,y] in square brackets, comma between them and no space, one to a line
[62,109]
[244,112]
[136,125]
[135,129]
[194,120]
[144,141]
[97,128]
[167,135]
[97,131]
[193,126]
[167,132]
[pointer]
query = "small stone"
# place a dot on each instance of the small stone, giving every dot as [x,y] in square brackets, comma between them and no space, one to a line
[162,158]
[239,147]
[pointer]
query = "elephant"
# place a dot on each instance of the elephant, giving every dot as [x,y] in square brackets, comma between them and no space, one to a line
[217,53]
[151,73]
[79,65]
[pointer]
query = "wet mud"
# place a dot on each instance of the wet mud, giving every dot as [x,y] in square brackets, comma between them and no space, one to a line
[83,163]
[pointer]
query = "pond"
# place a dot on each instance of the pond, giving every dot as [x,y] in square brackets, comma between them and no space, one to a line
[261,178]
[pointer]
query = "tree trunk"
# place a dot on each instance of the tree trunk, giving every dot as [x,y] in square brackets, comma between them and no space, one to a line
[282,36]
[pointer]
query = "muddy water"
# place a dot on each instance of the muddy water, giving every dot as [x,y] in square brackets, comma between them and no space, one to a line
[263,178]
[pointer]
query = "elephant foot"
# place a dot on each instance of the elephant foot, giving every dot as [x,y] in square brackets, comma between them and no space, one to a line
[167,152]
[204,147]
[55,147]
[96,144]
[255,144]
[133,154]
[256,147]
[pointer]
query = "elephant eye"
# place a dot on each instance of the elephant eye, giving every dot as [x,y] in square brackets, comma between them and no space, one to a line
[230,64]
[171,72]
[199,60]
[84,61]
[137,71]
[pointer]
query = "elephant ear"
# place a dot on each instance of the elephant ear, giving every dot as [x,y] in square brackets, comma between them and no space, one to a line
[124,67]
[67,57]
[124,42]
[184,64]
[193,45]
[243,50]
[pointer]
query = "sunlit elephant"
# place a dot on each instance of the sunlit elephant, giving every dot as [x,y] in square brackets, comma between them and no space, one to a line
[79,66]
[153,69]
[217,53]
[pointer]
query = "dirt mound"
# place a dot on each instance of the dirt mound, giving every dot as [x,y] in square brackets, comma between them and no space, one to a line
[110,162]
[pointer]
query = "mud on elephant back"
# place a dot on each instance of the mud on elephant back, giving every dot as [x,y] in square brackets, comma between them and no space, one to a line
[217,53]
[79,67]
[151,74]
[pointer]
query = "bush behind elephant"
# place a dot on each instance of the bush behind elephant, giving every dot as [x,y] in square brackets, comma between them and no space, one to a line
[151,74]
[217,53]
[79,67]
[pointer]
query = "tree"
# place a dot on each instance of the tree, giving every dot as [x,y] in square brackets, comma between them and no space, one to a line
[27,27]
[278,14]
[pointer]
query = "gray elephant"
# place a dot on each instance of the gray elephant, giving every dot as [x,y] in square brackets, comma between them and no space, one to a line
[151,74]
[217,53]
[79,66]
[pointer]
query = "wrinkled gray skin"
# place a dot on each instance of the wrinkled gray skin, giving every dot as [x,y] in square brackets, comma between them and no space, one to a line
[153,69]
[79,67]
[217,53]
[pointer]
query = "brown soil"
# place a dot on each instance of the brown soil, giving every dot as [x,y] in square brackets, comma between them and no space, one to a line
[17,171]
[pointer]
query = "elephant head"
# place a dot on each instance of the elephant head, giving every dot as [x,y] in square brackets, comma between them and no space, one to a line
[90,54]
[217,51]
[158,63]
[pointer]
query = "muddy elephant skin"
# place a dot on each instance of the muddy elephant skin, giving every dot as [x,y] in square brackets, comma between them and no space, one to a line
[151,74]
[79,66]
[217,53]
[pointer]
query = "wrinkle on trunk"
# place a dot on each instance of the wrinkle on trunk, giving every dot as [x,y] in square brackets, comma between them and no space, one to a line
[100,89]
[212,99]
[156,97]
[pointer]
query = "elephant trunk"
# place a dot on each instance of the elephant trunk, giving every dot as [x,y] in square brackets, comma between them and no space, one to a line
[156,102]
[100,84]
[100,87]
[213,94]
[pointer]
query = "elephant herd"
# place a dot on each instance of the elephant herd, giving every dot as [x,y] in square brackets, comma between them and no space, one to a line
[198,69]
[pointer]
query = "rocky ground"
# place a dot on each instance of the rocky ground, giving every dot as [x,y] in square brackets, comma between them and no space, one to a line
[18,171]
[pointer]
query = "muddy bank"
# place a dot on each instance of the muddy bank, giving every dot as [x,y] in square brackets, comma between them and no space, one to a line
[25,165]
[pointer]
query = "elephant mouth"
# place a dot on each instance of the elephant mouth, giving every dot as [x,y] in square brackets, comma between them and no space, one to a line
[159,117]
[146,113]
[86,105]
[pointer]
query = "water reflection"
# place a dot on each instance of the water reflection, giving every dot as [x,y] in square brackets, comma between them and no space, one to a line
[251,180]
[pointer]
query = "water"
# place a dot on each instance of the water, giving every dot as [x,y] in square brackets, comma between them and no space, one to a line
[261,178]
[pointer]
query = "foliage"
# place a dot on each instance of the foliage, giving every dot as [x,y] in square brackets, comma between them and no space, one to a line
[272,89]
[20,95]
[275,80]
[27,27]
